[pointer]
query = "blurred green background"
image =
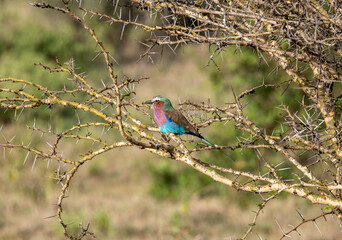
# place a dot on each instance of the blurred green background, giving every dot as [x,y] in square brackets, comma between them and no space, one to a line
[130,194]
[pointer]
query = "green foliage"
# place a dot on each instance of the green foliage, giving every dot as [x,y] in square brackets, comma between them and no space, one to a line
[31,42]
[241,70]
[171,181]
[102,222]
[168,181]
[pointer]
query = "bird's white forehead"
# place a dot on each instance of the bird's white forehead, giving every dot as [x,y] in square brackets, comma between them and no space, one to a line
[156,99]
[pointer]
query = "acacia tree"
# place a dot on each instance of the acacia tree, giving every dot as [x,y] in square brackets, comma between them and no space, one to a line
[302,37]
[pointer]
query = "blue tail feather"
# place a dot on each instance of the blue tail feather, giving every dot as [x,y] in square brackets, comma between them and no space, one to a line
[203,139]
[207,142]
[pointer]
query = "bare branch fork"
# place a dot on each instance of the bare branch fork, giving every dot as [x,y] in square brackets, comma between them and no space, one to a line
[303,38]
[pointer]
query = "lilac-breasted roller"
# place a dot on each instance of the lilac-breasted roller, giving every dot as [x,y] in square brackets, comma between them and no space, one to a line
[171,120]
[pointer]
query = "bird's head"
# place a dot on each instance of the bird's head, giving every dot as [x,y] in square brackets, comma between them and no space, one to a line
[160,100]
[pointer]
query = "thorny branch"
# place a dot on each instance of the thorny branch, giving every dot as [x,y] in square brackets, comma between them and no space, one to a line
[299,36]
[313,220]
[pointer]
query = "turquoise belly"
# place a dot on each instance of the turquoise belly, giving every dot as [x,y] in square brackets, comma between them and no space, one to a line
[172,127]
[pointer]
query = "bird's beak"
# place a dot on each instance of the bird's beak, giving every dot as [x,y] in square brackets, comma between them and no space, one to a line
[148,102]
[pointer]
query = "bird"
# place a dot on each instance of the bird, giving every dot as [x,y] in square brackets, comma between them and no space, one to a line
[170,120]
